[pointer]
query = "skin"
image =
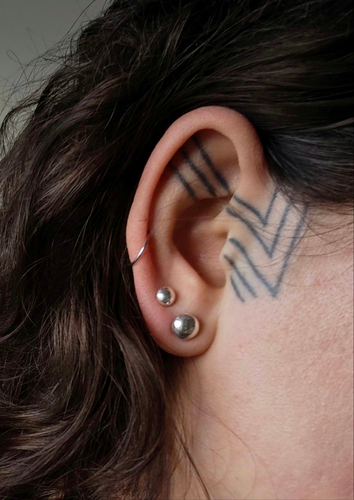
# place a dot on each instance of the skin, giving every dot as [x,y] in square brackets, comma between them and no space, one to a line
[266,398]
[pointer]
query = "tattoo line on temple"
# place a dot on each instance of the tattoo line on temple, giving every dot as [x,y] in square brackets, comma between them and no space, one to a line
[264,219]
[199,173]
[184,182]
[269,250]
[242,278]
[201,176]
[236,290]
[210,164]
[272,288]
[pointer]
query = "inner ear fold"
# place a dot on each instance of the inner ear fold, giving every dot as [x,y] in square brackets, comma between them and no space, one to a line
[200,241]
[205,165]
[206,168]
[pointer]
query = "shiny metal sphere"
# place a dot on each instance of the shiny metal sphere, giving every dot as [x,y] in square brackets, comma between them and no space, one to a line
[185,326]
[166,296]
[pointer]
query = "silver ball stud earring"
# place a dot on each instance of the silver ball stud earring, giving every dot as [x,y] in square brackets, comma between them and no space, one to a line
[166,296]
[185,326]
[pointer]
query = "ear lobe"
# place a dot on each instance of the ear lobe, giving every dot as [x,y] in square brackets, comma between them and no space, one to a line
[181,199]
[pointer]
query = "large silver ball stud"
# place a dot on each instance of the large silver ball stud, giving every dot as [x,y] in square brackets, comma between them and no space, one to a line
[166,296]
[185,326]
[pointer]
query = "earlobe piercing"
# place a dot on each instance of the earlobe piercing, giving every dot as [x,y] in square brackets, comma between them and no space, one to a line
[185,326]
[166,296]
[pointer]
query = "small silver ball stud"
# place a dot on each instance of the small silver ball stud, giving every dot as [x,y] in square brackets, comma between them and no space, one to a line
[166,296]
[185,326]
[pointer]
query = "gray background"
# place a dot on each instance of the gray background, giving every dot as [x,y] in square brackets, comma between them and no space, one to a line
[27,29]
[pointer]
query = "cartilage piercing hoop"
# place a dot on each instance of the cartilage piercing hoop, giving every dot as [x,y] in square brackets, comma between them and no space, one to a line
[141,251]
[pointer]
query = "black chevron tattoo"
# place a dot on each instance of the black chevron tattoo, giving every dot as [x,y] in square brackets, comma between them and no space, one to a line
[272,287]
[221,180]
[242,278]
[242,286]
[268,249]
[199,173]
[184,183]
[201,176]
[263,219]
[236,290]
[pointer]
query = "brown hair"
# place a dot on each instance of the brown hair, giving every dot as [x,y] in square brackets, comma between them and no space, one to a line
[86,404]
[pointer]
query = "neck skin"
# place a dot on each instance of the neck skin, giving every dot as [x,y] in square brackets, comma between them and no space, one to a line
[268,408]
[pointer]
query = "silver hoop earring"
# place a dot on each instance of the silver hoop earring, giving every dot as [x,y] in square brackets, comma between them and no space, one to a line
[141,251]
[185,326]
[166,296]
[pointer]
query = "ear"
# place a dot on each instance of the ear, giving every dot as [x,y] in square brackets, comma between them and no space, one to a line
[204,158]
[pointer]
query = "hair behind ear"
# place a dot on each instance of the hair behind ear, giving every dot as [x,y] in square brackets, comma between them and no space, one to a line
[85,408]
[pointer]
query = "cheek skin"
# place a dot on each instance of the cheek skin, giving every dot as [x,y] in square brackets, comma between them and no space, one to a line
[293,358]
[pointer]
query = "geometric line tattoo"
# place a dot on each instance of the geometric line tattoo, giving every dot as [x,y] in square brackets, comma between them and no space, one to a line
[236,290]
[273,288]
[242,278]
[238,280]
[263,219]
[268,249]
[201,176]
[187,186]
[222,181]
[199,173]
